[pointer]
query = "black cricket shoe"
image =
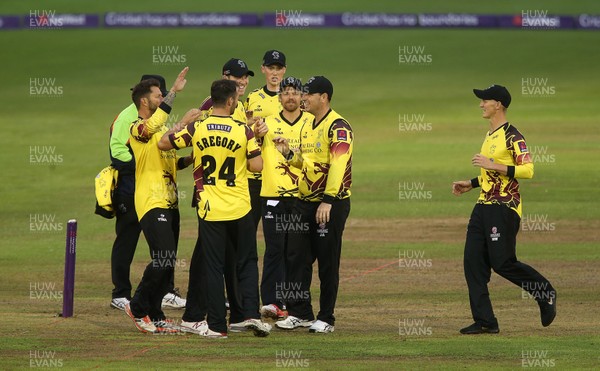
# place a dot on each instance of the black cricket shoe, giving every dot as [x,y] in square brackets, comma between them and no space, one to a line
[548,310]
[477,328]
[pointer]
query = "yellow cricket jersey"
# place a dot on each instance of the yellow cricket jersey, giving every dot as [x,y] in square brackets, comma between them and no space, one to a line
[155,170]
[221,147]
[506,146]
[263,102]
[280,179]
[326,159]
[207,107]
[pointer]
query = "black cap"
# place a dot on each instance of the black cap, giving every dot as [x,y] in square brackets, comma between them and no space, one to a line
[290,81]
[318,84]
[274,57]
[495,92]
[161,80]
[236,67]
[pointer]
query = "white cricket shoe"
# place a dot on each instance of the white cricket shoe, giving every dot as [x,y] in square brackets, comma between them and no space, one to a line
[173,300]
[259,327]
[238,327]
[292,322]
[143,324]
[194,327]
[210,334]
[119,303]
[321,327]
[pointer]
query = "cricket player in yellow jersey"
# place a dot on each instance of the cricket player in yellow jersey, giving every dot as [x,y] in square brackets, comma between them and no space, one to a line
[235,70]
[279,193]
[224,150]
[495,220]
[156,199]
[264,102]
[260,104]
[325,158]
[128,226]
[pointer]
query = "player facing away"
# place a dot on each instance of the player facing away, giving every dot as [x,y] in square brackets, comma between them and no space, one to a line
[127,226]
[325,158]
[224,150]
[235,70]
[155,200]
[495,220]
[279,193]
[261,103]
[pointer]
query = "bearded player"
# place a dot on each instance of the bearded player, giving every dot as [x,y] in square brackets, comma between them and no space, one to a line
[279,193]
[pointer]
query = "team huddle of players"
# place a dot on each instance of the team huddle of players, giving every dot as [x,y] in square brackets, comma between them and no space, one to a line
[283,157]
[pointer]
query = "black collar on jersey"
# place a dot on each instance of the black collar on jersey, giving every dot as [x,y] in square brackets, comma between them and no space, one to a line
[268,92]
[291,123]
[315,124]
[498,128]
[220,116]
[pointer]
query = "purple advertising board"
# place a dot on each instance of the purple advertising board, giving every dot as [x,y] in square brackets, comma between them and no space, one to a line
[451,20]
[9,22]
[180,20]
[587,21]
[298,19]
[535,20]
[50,20]
[378,20]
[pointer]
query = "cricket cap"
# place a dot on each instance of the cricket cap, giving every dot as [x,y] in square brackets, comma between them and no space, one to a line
[290,81]
[495,92]
[161,81]
[318,84]
[274,57]
[236,67]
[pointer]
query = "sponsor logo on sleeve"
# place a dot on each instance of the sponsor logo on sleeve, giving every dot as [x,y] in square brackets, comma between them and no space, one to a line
[523,147]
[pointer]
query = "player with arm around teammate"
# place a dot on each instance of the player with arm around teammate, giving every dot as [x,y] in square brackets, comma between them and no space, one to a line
[224,150]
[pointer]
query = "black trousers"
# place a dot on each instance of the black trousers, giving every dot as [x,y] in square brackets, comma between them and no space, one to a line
[222,241]
[128,231]
[195,307]
[322,243]
[279,222]
[161,229]
[491,244]
[254,186]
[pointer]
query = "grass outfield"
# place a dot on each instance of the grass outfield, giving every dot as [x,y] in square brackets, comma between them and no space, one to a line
[380,301]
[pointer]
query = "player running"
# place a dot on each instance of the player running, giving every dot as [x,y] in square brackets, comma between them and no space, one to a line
[495,220]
